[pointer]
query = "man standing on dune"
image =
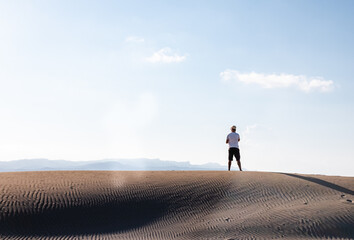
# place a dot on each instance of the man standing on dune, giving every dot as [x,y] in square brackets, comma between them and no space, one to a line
[232,139]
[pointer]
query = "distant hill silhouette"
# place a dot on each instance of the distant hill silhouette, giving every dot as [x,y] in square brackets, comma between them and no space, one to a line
[105,164]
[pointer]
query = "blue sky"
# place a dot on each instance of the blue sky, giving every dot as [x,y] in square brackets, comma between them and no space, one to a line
[86,80]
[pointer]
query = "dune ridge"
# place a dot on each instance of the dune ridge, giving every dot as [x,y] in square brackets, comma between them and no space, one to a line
[175,205]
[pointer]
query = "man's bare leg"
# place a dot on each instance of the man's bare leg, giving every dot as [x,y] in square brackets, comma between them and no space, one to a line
[239,164]
[229,165]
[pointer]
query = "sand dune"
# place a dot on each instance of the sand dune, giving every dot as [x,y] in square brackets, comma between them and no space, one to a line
[175,205]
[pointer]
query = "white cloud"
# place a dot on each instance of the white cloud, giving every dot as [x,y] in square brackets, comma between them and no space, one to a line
[249,128]
[135,39]
[283,80]
[165,55]
[245,135]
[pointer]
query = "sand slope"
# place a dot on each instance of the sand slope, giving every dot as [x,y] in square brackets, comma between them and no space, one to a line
[175,205]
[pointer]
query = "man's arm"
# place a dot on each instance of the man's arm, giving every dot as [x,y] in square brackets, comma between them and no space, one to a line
[238,138]
[227,140]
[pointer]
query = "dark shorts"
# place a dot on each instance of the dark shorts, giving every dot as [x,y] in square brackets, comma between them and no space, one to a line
[234,152]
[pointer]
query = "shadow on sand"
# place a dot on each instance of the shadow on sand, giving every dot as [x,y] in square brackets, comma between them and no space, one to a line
[100,218]
[131,210]
[323,183]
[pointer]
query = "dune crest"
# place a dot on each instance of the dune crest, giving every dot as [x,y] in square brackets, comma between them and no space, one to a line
[175,205]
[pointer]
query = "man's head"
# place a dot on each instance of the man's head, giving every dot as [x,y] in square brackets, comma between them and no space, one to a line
[233,128]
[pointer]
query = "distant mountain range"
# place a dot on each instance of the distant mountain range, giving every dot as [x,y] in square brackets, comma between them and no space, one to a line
[105,164]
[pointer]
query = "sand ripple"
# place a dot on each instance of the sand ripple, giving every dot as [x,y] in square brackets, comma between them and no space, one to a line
[175,205]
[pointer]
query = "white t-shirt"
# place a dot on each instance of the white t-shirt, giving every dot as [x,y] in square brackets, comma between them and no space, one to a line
[233,139]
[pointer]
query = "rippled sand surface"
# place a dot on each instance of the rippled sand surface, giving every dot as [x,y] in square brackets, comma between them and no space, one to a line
[175,205]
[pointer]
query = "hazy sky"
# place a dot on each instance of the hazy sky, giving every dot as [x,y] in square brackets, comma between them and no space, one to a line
[87,80]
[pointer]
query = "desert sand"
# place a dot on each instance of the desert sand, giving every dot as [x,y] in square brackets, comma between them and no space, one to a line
[175,205]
